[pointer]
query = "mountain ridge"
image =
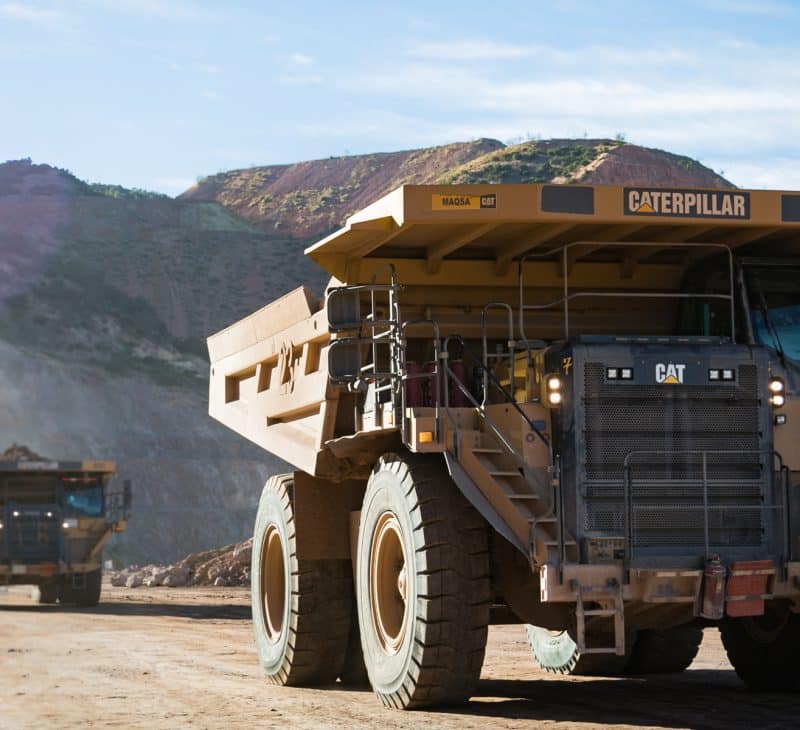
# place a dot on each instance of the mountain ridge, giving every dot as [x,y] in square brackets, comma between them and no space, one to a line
[310,199]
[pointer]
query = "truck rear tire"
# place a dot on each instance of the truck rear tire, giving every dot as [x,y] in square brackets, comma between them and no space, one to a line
[354,671]
[557,653]
[88,594]
[301,608]
[665,652]
[764,649]
[422,584]
[49,592]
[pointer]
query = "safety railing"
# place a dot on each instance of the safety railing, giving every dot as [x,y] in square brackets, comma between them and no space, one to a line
[488,357]
[568,296]
[502,438]
[432,377]
[375,333]
[760,459]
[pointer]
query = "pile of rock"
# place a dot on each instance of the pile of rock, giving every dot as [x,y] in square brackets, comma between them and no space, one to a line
[17,452]
[227,566]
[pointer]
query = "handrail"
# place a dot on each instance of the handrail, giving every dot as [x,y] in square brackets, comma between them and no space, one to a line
[511,344]
[494,381]
[405,377]
[704,453]
[567,297]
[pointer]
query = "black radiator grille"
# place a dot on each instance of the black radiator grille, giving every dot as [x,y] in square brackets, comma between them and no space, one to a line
[667,491]
[30,539]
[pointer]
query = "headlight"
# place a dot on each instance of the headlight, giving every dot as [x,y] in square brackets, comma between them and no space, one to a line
[777,399]
[776,385]
[552,394]
[70,523]
[1,525]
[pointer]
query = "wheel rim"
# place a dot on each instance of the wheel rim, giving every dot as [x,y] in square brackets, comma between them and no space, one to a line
[388,583]
[273,583]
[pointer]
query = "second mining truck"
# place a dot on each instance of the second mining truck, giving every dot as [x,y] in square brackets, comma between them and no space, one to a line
[574,408]
[55,518]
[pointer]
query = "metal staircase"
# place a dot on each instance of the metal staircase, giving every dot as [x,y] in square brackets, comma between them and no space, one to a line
[526,501]
[523,501]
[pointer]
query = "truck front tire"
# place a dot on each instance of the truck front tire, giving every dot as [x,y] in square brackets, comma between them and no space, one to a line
[422,583]
[557,653]
[764,649]
[301,608]
[665,652]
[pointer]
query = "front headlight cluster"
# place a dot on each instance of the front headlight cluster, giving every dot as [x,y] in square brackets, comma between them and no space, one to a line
[553,394]
[777,392]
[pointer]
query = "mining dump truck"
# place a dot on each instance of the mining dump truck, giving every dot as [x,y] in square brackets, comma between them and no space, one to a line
[55,518]
[573,408]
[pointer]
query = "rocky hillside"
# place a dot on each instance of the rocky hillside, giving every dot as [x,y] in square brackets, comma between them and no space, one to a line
[310,199]
[107,295]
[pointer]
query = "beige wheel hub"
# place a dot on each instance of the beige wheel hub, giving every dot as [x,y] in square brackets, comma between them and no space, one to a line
[273,583]
[388,583]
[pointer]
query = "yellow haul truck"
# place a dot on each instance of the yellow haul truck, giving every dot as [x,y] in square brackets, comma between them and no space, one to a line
[55,518]
[570,407]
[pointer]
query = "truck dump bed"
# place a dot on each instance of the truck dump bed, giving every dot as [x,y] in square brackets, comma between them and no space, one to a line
[453,250]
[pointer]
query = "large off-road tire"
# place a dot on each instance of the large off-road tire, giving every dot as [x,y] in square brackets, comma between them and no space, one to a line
[557,653]
[49,592]
[422,584]
[301,608]
[88,592]
[664,652]
[765,650]
[354,671]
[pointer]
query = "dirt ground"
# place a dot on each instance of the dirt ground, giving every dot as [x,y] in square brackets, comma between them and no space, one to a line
[164,658]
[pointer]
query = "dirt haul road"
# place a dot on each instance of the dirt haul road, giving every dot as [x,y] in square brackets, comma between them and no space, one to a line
[163,658]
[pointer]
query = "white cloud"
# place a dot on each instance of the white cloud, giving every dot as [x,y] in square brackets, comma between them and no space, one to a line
[300,59]
[29,13]
[209,68]
[780,174]
[210,94]
[300,79]
[468,50]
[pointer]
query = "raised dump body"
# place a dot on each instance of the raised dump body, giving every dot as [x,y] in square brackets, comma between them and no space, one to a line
[571,407]
[55,518]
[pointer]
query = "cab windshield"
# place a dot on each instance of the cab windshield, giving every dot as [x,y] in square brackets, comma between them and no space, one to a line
[775,309]
[84,500]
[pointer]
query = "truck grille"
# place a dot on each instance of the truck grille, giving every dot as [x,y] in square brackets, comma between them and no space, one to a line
[667,488]
[30,539]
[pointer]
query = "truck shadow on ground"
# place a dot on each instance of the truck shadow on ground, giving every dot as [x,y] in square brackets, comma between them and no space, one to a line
[175,610]
[695,699]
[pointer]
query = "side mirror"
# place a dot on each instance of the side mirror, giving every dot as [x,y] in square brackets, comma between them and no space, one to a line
[344,360]
[343,307]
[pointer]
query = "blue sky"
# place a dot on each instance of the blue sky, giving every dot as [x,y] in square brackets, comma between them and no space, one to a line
[153,94]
